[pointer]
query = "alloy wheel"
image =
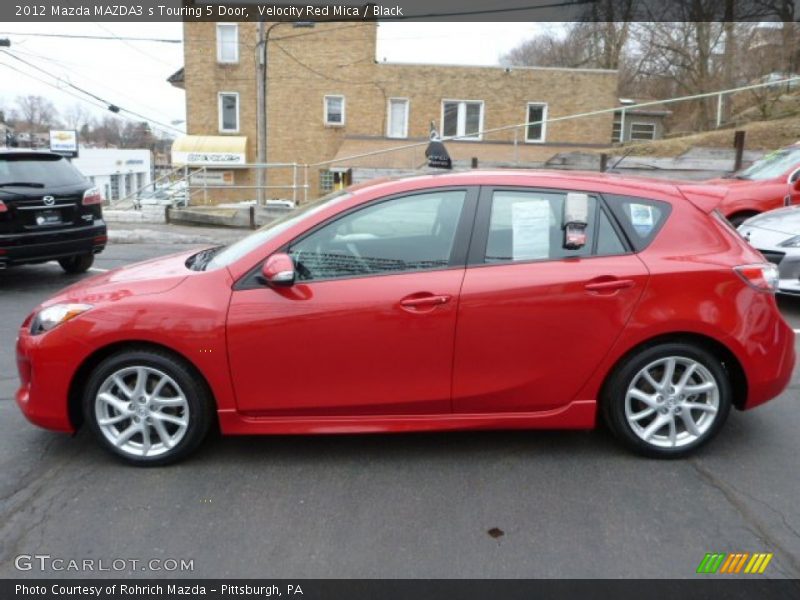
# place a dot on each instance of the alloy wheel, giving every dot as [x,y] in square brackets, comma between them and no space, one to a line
[672,402]
[142,411]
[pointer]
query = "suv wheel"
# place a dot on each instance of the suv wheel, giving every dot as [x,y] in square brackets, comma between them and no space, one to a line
[668,400]
[147,407]
[77,264]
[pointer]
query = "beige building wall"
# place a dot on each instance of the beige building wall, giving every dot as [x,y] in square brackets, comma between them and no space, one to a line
[305,65]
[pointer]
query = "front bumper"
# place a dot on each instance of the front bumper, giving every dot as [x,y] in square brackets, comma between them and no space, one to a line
[46,364]
[33,247]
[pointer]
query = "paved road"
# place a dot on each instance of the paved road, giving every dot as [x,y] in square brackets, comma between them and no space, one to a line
[569,504]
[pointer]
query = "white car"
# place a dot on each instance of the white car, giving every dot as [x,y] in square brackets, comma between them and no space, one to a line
[776,234]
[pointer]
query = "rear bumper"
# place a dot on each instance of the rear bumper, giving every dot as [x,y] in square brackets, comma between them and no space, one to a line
[32,247]
[771,363]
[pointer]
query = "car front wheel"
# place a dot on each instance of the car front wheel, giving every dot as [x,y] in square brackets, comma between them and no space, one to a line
[667,400]
[147,407]
[77,264]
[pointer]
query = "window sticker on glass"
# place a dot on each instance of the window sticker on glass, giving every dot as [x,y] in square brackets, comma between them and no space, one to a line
[531,229]
[642,219]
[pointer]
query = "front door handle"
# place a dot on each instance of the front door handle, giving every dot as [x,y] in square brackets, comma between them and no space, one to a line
[417,302]
[609,285]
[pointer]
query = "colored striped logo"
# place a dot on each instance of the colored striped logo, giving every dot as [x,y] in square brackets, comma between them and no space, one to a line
[735,562]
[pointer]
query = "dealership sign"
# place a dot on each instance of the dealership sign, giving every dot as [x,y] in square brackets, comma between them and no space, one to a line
[64,142]
[208,158]
[211,178]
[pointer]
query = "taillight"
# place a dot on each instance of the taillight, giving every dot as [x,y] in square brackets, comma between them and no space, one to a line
[761,276]
[92,196]
[3,207]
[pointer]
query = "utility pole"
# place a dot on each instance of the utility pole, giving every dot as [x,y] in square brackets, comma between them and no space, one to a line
[262,60]
[261,112]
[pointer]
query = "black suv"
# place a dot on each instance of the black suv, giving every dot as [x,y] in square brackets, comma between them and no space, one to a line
[48,211]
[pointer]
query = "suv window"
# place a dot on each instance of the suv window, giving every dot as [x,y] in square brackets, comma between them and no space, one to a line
[409,233]
[527,225]
[46,169]
[641,219]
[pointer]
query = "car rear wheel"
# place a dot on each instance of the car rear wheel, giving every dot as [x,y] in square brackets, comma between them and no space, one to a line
[667,400]
[147,407]
[77,264]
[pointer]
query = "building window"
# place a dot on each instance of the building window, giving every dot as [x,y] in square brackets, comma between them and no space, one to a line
[462,118]
[398,118]
[643,131]
[114,183]
[227,43]
[536,126]
[229,112]
[616,131]
[326,181]
[334,110]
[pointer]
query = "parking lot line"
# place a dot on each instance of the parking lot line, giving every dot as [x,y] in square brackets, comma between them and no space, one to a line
[99,270]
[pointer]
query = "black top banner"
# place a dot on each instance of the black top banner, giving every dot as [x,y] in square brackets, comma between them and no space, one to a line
[413,10]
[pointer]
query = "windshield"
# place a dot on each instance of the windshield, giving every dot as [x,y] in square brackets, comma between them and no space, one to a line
[772,165]
[48,170]
[230,254]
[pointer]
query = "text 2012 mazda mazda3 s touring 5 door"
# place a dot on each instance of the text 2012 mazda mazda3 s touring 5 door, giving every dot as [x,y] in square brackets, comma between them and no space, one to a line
[460,301]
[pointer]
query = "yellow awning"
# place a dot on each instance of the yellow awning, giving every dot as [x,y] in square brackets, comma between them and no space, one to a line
[209,150]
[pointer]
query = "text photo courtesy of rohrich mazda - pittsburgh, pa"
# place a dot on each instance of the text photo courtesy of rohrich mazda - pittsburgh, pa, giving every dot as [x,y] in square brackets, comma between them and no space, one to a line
[401,301]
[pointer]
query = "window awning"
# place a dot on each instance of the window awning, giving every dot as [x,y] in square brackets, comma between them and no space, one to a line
[209,150]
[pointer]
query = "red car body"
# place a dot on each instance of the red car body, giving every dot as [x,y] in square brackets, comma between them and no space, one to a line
[522,345]
[770,183]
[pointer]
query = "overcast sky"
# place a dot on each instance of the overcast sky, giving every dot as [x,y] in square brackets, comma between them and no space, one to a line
[133,74]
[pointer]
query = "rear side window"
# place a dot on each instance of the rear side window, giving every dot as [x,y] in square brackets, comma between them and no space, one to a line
[640,218]
[526,226]
[45,169]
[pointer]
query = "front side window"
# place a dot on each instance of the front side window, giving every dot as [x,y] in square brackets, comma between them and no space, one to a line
[227,43]
[462,118]
[398,118]
[411,233]
[334,110]
[535,128]
[527,225]
[229,112]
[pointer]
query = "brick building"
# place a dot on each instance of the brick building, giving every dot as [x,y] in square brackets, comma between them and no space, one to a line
[328,99]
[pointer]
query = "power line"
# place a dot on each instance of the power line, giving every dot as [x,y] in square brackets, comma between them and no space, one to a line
[134,48]
[74,67]
[109,105]
[92,37]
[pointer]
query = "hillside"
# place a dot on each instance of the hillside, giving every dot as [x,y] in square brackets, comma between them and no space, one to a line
[761,135]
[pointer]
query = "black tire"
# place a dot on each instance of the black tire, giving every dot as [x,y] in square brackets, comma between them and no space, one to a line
[613,400]
[77,264]
[740,218]
[199,403]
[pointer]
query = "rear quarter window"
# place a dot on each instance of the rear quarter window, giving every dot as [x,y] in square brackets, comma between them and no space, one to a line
[640,218]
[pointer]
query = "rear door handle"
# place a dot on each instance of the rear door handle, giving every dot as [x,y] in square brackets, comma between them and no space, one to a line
[612,285]
[416,302]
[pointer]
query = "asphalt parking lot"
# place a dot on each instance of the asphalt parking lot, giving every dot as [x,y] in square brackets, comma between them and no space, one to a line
[557,504]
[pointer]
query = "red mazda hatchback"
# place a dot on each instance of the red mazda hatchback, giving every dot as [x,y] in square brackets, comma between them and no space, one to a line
[480,300]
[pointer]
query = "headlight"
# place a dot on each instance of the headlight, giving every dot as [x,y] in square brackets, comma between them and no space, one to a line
[792,242]
[55,315]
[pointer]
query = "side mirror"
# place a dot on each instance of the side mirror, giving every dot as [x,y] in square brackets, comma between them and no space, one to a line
[576,218]
[278,271]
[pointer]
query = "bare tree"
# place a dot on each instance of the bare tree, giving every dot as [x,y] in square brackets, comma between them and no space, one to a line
[36,113]
[76,116]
